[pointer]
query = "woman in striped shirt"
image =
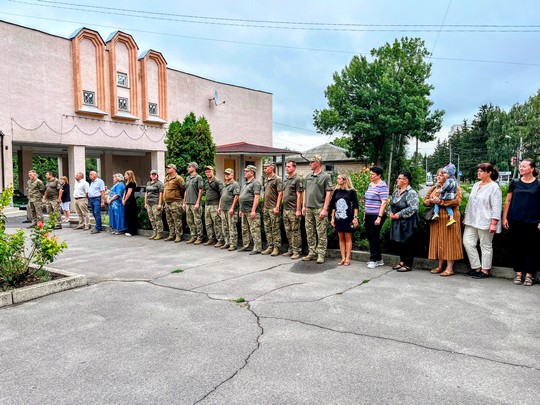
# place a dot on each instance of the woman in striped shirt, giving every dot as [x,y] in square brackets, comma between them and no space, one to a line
[375,201]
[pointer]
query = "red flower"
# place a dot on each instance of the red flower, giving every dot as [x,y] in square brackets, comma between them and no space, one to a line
[40,224]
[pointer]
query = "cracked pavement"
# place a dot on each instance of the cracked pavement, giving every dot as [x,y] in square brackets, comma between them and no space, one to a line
[304,333]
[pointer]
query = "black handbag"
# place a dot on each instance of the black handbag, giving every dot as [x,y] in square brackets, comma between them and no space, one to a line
[428,213]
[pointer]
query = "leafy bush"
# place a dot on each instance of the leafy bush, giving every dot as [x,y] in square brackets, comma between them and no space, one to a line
[17,263]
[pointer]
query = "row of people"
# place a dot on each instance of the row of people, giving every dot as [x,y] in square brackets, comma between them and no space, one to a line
[484,216]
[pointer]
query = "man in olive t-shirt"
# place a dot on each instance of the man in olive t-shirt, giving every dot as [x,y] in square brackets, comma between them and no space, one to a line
[192,203]
[251,220]
[53,198]
[317,196]
[292,210]
[228,209]
[212,219]
[273,192]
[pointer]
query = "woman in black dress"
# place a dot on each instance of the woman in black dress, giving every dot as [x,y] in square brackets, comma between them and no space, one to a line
[130,203]
[344,209]
[521,217]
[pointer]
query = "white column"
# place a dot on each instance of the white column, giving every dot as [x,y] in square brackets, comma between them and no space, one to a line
[25,165]
[157,159]
[60,167]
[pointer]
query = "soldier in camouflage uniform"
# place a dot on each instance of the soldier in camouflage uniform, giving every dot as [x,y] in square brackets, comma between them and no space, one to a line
[192,203]
[173,191]
[292,210]
[53,198]
[273,192]
[251,220]
[212,219]
[35,190]
[153,201]
[228,209]
[317,196]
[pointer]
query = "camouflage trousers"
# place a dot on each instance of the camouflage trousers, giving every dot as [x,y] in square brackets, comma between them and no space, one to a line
[272,227]
[251,229]
[173,214]
[53,208]
[316,231]
[292,229]
[36,208]
[212,221]
[230,230]
[154,215]
[194,221]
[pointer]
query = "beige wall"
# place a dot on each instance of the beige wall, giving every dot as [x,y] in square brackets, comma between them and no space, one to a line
[37,86]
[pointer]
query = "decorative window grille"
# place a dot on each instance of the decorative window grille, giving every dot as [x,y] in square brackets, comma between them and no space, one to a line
[122,79]
[152,109]
[123,104]
[89,97]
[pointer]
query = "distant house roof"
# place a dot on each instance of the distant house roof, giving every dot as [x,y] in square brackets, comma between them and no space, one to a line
[329,153]
[242,148]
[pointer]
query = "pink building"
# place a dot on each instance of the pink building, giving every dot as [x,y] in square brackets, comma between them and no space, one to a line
[84,96]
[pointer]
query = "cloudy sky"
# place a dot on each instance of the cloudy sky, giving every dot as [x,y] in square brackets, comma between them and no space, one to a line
[483,51]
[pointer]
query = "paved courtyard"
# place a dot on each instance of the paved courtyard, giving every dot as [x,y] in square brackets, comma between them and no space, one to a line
[142,333]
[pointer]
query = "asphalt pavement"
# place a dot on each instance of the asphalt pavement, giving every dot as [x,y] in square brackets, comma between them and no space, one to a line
[165,323]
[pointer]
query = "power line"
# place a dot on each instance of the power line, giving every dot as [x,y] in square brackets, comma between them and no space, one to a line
[116,28]
[290,25]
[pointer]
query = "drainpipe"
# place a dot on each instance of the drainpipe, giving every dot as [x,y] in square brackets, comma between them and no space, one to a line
[2,158]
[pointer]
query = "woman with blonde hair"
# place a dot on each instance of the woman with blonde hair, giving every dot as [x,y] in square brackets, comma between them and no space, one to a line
[344,209]
[65,198]
[130,203]
[117,220]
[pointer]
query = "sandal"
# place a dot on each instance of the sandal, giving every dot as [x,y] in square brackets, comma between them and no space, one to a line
[447,273]
[518,280]
[403,269]
[480,275]
[341,262]
[436,271]
[398,266]
[528,281]
[347,263]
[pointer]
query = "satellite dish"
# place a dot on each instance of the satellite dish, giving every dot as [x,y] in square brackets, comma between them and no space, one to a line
[216,98]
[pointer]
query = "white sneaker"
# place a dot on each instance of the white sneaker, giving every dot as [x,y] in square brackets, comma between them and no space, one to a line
[371,265]
[380,263]
[127,234]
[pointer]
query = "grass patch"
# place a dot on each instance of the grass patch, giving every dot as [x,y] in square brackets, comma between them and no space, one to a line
[365,281]
[240,300]
[177,271]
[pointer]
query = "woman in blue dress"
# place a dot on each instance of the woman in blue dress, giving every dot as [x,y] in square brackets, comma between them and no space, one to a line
[117,218]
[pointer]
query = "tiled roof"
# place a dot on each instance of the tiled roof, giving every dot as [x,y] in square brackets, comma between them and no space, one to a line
[244,147]
[329,153]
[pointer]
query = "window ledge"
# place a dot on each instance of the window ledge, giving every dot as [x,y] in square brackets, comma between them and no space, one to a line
[154,120]
[125,116]
[91,110]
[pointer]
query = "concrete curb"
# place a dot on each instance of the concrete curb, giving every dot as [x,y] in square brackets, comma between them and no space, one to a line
[69,281]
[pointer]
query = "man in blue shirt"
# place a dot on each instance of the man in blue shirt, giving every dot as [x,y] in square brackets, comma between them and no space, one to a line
[96,196]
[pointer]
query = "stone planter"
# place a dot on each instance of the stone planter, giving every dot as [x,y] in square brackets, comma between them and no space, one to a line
[67,282]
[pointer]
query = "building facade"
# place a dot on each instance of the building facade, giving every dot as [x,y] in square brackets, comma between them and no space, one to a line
[86,97]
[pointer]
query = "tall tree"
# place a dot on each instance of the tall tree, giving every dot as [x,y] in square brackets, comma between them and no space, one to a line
[383,103]
[190,141]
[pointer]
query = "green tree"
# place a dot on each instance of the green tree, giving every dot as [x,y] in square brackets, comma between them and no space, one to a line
[190,141]
[382,104]
[343,142]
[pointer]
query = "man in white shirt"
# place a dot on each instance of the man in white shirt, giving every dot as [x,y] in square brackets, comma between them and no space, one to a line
[80,193]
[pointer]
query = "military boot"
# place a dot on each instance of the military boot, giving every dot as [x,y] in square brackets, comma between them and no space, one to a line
[153,235]
[219,244]
[288,253]
[295,256]
[158,236]
[268,250]
[197,242]
[192,240]
[178,239]
[209,242]
[171,237]
[275,252]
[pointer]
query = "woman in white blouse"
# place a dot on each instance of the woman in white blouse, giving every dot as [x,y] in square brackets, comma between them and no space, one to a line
[482,220]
